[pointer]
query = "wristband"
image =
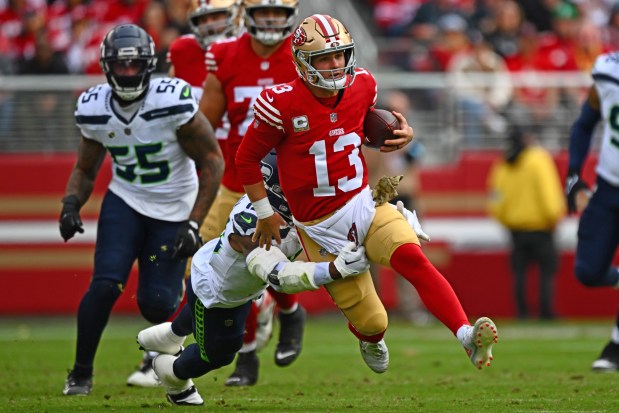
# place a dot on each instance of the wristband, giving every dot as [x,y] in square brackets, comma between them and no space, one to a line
[321,273]
[193,224]
[263,208]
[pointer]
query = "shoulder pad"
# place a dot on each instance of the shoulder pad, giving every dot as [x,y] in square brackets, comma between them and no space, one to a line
[606,65]
[169,97]
[91,107]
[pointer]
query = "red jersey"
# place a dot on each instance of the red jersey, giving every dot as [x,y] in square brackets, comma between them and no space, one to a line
[243,75]
[320,163]
[187,57]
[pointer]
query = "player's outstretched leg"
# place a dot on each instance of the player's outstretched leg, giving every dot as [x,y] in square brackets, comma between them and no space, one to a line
[290,336]
[161,339]
[478,341]
[375,355]
[180,392]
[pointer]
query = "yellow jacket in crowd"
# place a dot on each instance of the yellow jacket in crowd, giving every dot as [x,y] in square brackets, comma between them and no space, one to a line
[526,195]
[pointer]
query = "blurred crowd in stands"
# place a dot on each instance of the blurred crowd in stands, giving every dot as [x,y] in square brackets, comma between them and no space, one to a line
[461,38]
[63,36]
[549,35]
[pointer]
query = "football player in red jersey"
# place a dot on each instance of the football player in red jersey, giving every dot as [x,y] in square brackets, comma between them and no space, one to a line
[239,68]
[210,21]
[315,123]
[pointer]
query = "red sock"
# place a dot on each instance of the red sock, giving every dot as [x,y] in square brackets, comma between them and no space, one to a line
[370,339]
[283,300]
[251,324]
[434,290]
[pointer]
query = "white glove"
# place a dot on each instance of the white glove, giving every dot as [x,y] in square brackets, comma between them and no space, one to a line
[352,260]
[411,217]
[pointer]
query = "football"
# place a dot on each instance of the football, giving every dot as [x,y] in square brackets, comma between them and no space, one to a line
[378,127]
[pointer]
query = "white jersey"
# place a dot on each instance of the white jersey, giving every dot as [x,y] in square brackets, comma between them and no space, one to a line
[150,171]
[219,275]
[606,77]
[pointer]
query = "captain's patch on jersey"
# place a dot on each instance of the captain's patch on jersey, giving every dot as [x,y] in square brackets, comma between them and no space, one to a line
[300,123]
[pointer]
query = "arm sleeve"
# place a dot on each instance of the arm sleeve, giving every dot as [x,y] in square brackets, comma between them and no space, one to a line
[580,137]
[256,144]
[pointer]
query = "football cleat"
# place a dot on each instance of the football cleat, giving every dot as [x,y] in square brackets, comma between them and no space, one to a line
[608,362]
[145,376]
[290,336]
[375,355]
[479,341]
[246,371]
[179,391]
[264,328]
[77,386]
[161,339]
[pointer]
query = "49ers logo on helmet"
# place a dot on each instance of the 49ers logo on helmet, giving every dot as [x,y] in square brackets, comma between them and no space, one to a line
[299,36]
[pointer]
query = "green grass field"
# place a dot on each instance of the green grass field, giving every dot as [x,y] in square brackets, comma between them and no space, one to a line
[538,367]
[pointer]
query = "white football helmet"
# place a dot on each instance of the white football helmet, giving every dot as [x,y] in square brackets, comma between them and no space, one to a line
[270,32]
[321,34]
[207,33]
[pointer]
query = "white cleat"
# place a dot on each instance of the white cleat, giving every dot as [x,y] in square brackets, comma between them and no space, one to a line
[478,345]
[180,392]
[161,339]
[145,376]
[375,355]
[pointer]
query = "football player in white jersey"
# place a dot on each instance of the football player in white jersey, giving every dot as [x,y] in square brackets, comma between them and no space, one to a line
[227,273]
[156,137]
[598,229]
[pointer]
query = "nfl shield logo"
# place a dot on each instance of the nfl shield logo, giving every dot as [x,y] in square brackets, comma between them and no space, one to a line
[333,117]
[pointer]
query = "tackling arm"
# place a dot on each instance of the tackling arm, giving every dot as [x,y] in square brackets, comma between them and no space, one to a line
[274,268]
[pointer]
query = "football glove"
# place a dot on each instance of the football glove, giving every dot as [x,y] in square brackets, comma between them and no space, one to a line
[352,260]
[573,185]
[413,221]
[188,240]
[70,221]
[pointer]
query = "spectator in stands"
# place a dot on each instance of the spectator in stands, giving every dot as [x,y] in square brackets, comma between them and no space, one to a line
[526,197]
[45,60]
[534,103]
[610,31]
[588,46]
[480,100]
[504,37]
[393,16]
[425,27]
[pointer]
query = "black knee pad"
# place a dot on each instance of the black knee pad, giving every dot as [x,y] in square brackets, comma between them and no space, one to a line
[157,305]
[104,292]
